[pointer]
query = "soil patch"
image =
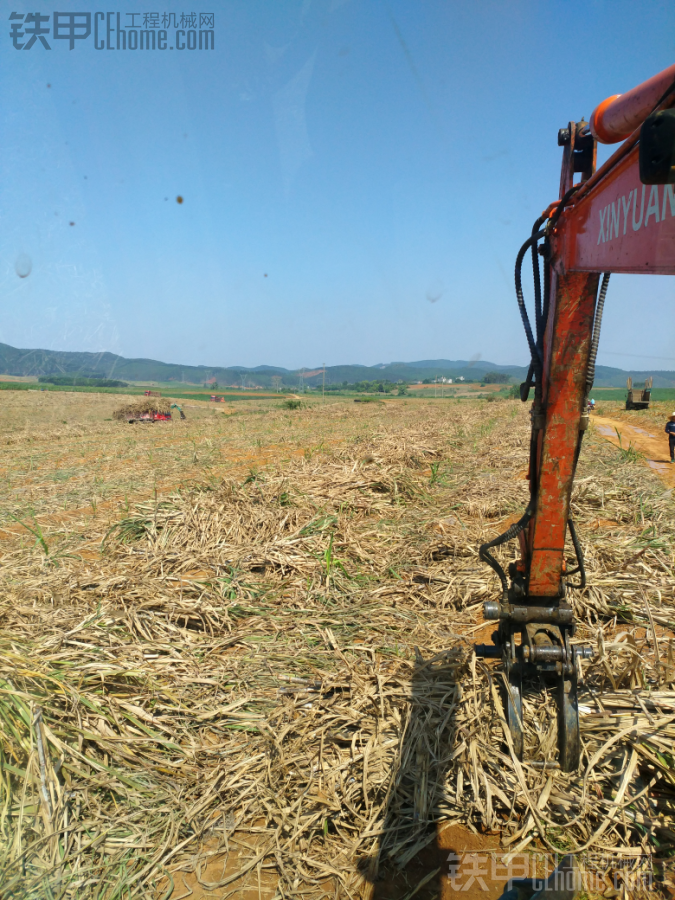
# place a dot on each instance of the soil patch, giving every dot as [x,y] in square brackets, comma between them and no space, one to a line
[648,442]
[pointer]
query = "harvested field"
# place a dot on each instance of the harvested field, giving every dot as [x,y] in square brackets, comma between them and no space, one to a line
[245,667]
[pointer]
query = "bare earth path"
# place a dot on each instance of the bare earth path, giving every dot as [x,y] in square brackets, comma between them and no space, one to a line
[648,440]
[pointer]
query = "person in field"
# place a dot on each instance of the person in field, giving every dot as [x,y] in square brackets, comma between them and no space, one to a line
[670,431]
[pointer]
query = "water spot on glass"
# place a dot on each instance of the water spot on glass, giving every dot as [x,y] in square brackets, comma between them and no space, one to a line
[179,199]
[435,291]
[23,265]
[71,223]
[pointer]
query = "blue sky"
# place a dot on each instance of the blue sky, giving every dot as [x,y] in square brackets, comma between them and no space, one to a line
[357,178]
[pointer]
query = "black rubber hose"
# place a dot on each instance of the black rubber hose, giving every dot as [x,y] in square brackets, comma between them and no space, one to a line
[595,340]
[534,353]
[537,292]
[527,384]
[509,535]
[581,569]
[550,225]
[547,291]
[537,282]
[536,368]
[590,378]
[553,221]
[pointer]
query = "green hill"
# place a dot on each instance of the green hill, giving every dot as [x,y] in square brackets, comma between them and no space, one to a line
[14,361]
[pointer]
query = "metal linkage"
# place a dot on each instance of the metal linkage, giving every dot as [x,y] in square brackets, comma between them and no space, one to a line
[535,641]
[542,615]
[533,637]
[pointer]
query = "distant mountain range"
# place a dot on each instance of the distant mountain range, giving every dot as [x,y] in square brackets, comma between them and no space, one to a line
[14,361]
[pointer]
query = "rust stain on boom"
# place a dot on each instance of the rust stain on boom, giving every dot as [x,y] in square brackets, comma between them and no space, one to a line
[565,360]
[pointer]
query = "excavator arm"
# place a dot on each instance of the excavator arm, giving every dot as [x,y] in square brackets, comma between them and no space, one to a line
[620,218]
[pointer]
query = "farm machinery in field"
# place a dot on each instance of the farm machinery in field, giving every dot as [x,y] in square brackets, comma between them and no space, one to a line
[636,398]
[148,416]
[620,218]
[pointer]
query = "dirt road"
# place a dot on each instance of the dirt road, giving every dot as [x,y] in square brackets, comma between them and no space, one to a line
[649,441]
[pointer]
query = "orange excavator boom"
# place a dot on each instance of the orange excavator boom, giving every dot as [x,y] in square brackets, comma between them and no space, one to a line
[620,218]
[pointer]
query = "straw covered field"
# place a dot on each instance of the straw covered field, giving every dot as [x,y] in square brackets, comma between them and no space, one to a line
[235,653]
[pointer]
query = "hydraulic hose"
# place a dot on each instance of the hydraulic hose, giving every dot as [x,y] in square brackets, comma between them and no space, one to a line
[542,302]
[509,535]
[541,308]
[595,340]
[534,352]
[537,283]
[581,569]
[547,292]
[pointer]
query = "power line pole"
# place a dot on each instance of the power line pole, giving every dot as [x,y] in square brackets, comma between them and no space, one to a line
[323,385]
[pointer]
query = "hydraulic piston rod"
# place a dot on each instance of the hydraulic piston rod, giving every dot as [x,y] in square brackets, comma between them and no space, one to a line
[619,115]
[546,615]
